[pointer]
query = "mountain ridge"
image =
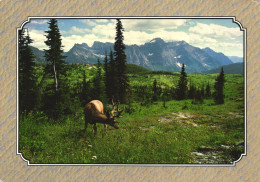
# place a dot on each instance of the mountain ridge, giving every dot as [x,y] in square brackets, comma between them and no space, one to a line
[154,55]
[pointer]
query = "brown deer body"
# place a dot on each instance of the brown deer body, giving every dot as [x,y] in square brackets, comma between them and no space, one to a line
[94,113]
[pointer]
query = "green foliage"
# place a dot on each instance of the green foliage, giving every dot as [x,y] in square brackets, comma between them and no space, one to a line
[27,80]
[54,55]
[219,88]
[208,92]
[182,85]
[156,128]
[135,69]
[141,139]
[111,78]
[56,98]
[123,86]
[155,90]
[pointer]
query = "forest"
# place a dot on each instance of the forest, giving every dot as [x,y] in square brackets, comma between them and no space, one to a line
[169,117]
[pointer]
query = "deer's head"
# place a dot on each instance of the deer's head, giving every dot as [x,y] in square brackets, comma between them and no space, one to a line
[112,116]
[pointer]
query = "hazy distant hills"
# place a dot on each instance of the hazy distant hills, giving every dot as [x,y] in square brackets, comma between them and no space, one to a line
[235,68]
[154,55]
[235,59]
[224,60]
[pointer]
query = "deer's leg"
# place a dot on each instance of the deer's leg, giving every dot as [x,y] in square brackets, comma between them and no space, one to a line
[95,128]
[105,126]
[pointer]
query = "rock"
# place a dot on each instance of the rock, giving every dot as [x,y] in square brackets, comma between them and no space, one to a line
[197,153]
[225,146]
[242,142]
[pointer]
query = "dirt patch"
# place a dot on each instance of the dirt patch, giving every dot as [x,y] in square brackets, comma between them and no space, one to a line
[186,118]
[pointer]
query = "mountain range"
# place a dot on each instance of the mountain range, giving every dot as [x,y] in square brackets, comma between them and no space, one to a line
[153,55]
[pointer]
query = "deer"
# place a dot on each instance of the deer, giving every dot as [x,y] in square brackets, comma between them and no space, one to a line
[94,113]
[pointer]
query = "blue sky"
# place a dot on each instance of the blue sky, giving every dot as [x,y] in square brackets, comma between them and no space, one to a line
[221,35]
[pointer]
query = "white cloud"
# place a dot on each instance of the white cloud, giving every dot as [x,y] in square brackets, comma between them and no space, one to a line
[153,25]
[139,31]
[39,21]
[216,31]
[38,39]
[102,20]
[76,30]
[106,31]
[89,22]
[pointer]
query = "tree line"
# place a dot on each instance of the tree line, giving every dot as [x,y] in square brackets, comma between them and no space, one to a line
[56,98]
[184,89]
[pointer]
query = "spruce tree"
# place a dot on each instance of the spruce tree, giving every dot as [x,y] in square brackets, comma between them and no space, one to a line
[202,91]
[192,91]
[84,91]
[182,85]
[198,96]
[27,80]
[120,59]
[112,87]
[155,90]
[208,92]
[56,96]
[219,88]
[54,55]
[106,75]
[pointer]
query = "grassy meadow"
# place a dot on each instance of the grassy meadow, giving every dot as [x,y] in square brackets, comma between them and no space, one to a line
[174,132]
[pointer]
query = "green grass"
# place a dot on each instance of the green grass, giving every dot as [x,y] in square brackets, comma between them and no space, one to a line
[141,138]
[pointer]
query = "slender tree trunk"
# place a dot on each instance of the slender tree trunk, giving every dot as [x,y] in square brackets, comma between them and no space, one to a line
[55,76]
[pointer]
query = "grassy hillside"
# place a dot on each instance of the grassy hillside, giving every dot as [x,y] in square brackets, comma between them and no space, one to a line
[174,132]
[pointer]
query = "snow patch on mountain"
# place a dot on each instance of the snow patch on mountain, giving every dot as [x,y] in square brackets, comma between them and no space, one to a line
[178,64]
[177,57]
[99,55]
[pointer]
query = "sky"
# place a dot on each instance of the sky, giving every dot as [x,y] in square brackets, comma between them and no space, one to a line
[221,35]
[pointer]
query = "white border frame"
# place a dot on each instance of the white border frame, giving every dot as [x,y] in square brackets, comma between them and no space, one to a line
[139,17]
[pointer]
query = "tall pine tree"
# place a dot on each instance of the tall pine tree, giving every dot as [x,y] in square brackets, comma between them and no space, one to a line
[112,87]
[182,85]
[27,80]
[97,83]
[208,93]
[56,97]
[219,88]
[120,59]
[54,55]
[106,75]
[155,90]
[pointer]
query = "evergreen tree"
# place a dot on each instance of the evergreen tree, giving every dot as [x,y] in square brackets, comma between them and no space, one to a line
[155,90]
[219,88]
[97,83]
[85,90]
[192,91]
[112,86]
[202,91]
[56,96]
[208,92]
[198,96]
[106,75]
[182,85]
[120,59]
[27,80]
[54,55]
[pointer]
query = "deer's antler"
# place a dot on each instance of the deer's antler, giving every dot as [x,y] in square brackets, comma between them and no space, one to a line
[118,111]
